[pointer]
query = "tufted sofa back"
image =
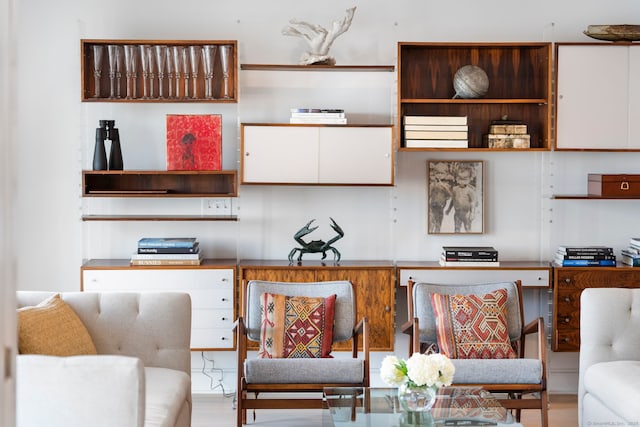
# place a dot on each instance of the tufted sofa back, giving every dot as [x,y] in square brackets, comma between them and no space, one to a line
[609,328]
[153,326]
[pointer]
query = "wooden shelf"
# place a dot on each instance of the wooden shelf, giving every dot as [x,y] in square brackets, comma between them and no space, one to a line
[587,197]
[87,62]
[145,183]
[519,88]
[159,217]
[284,67]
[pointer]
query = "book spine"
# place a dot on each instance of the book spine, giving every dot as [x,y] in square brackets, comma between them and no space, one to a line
[589,256]
[472,253]
[435,120]
[470,264]
[317,110]
[164,262]
[433,134]
[586,263]
[634,262]
[455,128]
[165,256]
[191,250]
[466,259]
[160,244]
[435,143]
[319,115]
[318,120]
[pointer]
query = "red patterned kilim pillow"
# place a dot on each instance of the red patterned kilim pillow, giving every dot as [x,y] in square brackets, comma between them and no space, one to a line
[296,327]
[473,326]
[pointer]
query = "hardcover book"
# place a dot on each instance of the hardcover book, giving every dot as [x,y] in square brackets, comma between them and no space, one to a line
[194,142]
[167,242]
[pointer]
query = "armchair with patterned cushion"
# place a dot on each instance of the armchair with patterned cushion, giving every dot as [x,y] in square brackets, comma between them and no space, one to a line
[294,325]
[481,328]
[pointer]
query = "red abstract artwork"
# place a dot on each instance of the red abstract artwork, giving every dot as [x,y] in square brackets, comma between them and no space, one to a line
[194,142]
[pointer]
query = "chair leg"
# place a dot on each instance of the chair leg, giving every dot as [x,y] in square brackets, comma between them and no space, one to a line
[544,409]
[241,412]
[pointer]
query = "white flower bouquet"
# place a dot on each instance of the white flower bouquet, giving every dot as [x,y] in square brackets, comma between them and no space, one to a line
[420,370]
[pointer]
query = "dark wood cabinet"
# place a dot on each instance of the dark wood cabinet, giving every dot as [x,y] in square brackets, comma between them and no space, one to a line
[519,87]
[569,282]
[373,284]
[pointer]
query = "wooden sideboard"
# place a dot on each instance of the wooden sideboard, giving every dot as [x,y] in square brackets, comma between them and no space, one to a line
[569,282]
[373,282]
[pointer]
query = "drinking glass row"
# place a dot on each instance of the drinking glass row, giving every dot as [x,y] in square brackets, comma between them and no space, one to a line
[178,66]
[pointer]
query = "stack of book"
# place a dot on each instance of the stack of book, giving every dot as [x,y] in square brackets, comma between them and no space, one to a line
[469,256]
[585,256]
[327,116]
[167,251]
[436,132]
[631,255]
[508,134]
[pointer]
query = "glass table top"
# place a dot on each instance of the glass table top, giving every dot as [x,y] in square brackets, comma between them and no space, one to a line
[379,407]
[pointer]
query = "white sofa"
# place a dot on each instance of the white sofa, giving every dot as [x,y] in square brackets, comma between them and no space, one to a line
[140,377]
[609,381]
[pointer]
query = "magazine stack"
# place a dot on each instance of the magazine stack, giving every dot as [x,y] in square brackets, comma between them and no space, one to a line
[631,254]
[469,256]
[585,256]
[167,251]
[324,116]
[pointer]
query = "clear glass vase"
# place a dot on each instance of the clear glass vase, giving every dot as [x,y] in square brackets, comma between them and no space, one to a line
[416,399]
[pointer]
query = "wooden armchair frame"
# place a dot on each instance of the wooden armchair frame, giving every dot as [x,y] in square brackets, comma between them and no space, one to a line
[510,395]
[245,390]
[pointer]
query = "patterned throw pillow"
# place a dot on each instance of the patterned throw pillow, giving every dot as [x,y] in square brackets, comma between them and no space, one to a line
[54,329]
[473,326]
[295,326]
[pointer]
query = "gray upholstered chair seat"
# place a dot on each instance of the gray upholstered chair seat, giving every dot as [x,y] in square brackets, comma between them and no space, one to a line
[302,371]
[498,371]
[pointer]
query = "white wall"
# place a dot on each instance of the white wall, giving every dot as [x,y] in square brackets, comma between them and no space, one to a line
[8,347]
[55,137]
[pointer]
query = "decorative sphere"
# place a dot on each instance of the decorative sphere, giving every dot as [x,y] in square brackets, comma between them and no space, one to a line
[470,81]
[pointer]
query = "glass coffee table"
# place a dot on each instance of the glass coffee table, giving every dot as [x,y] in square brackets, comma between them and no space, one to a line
[378,407]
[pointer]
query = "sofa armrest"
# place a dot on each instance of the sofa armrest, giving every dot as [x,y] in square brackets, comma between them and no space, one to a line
[79,391]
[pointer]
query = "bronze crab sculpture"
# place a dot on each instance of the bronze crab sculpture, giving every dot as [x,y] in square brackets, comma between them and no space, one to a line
[316,246]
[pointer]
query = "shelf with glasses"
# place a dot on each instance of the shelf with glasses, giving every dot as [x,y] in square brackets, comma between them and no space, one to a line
[519,88]
[149,183]
[158,70]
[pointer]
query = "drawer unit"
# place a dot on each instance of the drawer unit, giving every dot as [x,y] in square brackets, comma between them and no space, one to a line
[212,292]
[569,282]
[537,275]
[622,186]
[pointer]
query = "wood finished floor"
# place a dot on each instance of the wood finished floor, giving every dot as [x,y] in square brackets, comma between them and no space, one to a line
[215,410]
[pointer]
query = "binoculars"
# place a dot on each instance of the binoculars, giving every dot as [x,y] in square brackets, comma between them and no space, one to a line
[107,131]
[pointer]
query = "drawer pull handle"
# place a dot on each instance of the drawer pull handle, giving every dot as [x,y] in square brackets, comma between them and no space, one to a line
[223,339]
[224,299]
[223,318]
[387,308]
[224,279]
[624,185]
[567,280]
[565,340]
[567,320]
[567,299]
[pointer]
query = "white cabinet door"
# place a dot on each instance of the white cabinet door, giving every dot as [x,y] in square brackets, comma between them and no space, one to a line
[317,155]
[211,291]
[356,155]
[280,154]
[594,97]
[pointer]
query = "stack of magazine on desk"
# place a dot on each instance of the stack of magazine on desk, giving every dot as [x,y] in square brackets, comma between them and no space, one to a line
[469,256]
[167,251]
[585,256]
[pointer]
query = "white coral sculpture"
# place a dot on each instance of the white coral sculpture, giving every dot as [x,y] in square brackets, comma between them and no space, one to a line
[319,38]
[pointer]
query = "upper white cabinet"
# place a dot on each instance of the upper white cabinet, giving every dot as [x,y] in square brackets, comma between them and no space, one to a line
[597,96]
[308,154]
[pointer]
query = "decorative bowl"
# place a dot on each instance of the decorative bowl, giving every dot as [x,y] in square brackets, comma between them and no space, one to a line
[470,81]
[614,33]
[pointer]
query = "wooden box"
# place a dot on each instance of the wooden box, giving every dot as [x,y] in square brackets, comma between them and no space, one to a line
[622,186]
